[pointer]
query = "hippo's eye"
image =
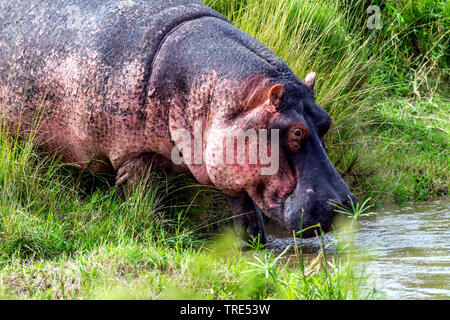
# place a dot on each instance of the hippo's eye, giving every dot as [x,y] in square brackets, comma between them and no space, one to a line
[296,135]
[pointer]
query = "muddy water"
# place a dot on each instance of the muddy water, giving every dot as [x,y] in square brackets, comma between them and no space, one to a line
[407,250]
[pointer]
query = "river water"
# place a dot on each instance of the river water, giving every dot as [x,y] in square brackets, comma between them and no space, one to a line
[407,250]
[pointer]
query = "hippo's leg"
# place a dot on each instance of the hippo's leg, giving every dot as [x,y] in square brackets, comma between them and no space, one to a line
[131,171]
[247,218]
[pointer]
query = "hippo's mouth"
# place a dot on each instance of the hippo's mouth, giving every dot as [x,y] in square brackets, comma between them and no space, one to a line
[296,214]
[304,229]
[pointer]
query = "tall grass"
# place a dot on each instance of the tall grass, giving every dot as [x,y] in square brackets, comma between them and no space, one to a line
[412,43]
[313,36]
[46,211]
[60,239]
[417,33]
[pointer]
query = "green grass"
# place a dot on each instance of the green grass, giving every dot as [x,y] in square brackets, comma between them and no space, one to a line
[135,271]
[411,144]
[401,154]
[66,235]
[416,34]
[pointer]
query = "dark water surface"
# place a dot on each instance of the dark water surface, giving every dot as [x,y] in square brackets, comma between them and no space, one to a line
[408,250]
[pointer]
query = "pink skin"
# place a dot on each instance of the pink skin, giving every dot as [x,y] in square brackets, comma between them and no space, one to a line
[103,142]
[90,139]
[119,120]
[115,146]
[268,192]
[240,179]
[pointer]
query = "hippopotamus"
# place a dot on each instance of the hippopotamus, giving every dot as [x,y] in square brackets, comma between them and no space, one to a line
[114,86]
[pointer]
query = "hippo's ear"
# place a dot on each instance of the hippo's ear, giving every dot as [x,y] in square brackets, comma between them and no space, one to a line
[276,96]
[310,80]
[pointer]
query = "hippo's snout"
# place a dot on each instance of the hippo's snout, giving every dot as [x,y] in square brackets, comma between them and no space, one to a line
[308,208]
[319,188]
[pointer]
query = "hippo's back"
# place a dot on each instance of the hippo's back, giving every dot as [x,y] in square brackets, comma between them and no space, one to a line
[111,32]
[90,60]
[107,26]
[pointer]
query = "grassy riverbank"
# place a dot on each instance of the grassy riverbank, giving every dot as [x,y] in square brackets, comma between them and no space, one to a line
[68,236]
[64,235]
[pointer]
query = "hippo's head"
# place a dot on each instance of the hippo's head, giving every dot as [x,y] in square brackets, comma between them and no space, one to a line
[298,184]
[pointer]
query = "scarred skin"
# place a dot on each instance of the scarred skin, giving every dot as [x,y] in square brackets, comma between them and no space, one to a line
[111,85]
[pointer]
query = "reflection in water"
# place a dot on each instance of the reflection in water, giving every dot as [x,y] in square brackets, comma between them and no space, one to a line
[409,250]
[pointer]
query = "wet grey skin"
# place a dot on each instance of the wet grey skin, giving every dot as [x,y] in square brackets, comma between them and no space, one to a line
[111,82]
